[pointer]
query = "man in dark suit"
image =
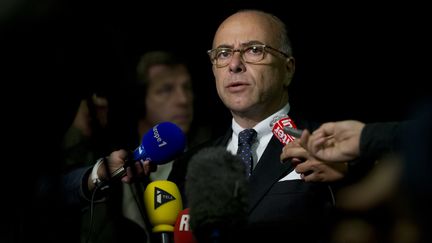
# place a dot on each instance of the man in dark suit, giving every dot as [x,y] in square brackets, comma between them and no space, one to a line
[253,66]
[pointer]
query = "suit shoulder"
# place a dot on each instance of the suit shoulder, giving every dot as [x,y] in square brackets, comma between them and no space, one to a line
[178,171]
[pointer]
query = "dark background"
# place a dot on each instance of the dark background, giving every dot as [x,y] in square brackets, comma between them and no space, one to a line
[363,61]
[354,61]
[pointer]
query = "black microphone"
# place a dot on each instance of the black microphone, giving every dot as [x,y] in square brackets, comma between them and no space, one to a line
[217,192]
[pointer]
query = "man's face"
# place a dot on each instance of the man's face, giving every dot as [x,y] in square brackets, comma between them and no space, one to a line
[249,89]
[169,96]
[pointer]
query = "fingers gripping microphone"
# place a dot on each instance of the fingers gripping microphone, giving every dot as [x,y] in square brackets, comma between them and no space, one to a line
[161,144]
[182,230]
[163,203]
[216,189]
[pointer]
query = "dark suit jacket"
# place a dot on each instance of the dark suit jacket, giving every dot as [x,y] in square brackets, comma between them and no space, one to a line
[109,224]
[291,211]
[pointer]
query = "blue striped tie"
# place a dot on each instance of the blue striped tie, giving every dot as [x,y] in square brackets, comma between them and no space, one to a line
[245,140]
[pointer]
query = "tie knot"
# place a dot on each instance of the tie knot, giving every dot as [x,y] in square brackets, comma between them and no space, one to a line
[247,136]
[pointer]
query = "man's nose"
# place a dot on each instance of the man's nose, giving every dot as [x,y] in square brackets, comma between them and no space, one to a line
[236,64]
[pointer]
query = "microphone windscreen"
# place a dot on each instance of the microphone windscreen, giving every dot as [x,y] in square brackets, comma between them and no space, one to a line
[217,191]
[182,230]
[161,144]
[163,202]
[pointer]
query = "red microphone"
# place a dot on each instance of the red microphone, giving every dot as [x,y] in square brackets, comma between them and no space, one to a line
[286,131]
[182,230]
[278,125]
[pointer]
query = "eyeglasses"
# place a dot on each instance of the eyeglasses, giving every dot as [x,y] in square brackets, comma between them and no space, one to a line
[222,56]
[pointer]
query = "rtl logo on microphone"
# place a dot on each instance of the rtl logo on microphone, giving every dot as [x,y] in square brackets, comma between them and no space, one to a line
[182,230]
[278,130]
[161,197]
[184,222]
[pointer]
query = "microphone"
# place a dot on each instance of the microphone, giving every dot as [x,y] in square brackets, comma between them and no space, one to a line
[283,129]
[286,131]
[182,230]
[216,189]
[163,203]
[161,144]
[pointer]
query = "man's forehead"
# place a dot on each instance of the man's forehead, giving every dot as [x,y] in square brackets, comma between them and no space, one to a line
[162,70]
[165,73]
[239,31]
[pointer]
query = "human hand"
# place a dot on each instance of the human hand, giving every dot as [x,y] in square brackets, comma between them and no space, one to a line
[334,141]
[141,169]
[310,168]
[129,173]
[117,167]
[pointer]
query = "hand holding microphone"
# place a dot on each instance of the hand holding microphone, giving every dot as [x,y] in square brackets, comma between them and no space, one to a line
[159,145]
[310,168]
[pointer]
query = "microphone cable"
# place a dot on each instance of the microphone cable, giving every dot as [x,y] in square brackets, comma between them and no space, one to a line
[136,188]
[97,188]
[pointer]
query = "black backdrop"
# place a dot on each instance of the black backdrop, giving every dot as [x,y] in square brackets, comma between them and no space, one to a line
[359,60]
[354,61]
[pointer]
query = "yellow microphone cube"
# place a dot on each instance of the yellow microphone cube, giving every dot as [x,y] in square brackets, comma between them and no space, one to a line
[163,202]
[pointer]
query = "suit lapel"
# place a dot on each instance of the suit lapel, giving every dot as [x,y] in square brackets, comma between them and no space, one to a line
[269,169]
[223,141]
[267,172]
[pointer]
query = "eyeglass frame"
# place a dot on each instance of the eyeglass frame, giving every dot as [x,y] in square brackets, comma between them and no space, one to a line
[242,51]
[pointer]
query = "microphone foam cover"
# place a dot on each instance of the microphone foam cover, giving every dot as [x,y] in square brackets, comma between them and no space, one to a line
[216,189]
[163,143]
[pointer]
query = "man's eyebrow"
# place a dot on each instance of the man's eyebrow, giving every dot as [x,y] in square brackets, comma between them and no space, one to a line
[224,46]
[252,42]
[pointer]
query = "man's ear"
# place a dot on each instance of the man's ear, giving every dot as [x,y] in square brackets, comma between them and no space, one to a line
[290,66]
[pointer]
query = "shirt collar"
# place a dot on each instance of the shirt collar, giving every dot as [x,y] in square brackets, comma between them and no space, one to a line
[263,127]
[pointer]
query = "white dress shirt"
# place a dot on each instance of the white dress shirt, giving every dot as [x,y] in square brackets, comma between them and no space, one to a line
[264,135]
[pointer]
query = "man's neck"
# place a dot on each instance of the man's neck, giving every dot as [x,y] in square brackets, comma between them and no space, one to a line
[249,119]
